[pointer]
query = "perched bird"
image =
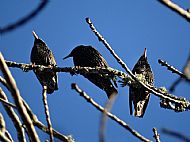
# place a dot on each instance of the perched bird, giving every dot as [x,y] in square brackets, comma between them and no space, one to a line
[87,56]
[42,55]
[140,96]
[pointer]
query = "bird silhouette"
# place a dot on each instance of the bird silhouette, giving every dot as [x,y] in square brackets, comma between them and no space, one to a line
[42,55]
[139,96]
[87,56]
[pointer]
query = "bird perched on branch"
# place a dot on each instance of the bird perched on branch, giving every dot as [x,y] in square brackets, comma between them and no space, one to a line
[138,95]
[87,56]
[42,55]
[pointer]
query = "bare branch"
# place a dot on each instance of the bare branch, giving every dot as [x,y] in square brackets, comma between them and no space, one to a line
[164,95]
[174,84]
[3,128]
[172,69]
[106,44]
[110,72]
[6,102]
[15,119]
[36,122]
[156,135]
[174,7]
[4,138]
[44,94]
[185,74]
[103,119]
[25,19]
[45,129]
[110,115]
[18,100]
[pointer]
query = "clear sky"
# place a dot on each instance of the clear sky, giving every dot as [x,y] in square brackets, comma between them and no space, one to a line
[129,27]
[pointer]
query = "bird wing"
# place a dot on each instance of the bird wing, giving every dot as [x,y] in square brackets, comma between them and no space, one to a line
[46,56]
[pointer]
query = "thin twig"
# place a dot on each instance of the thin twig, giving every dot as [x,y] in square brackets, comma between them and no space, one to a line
[44,93]
[172,69]
[156,135]
[3,138]
[25,19]
[157,92]
[6,102]
[174,7]
[18,101]
[41,126]
[113,117]
[176,135]
[103,119]
[15,119]
[174,84]
[3,128]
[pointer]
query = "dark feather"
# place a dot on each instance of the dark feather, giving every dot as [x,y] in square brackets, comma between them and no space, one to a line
[42,55]
[87,56]
[139,97]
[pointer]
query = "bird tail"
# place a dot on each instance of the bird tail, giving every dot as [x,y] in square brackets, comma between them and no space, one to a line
[52,84]
[140,107]
[48,79]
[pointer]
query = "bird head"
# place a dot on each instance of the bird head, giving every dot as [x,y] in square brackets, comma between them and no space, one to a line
[77,50]
[38,42]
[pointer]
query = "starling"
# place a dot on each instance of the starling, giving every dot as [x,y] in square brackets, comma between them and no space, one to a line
[140,96]
[87,56]
[42,55]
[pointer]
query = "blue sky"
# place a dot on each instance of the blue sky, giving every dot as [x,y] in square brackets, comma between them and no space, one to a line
[129,27]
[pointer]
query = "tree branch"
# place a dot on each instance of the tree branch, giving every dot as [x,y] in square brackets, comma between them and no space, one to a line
[172,69]
[108,106]
[44,94]
[110,115]
[174,7]
[18,101]
[156,135]
[6,102]
[41,126]
[3,138]
[164,95]
[3,129]
[15,119]
[110,72]
[25,19]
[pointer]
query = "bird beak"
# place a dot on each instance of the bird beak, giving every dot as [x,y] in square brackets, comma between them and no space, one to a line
[145,50]
[67,56]
[35,35]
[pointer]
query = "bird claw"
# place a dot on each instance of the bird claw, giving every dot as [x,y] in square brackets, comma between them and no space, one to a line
[122,83]
[24,68]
